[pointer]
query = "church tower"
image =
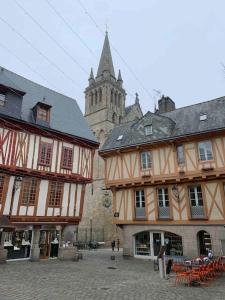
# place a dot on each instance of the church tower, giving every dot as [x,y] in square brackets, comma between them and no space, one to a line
[104,96]
[104,109]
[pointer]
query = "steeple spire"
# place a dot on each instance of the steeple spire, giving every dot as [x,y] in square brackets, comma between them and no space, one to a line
[136,98]
[91,77]
[119,77]
[106,63]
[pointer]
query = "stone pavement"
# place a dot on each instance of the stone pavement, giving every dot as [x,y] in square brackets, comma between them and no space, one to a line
[96,277]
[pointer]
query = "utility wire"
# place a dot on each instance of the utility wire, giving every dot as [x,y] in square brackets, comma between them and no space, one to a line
[71,28]
[50,36]
[39,52]
[81,40]
[114,48]
[27,65]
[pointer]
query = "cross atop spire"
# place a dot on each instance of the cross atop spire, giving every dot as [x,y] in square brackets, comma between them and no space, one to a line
[106,63]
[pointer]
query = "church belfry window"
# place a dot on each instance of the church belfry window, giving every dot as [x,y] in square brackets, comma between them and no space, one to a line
[96,97]
[100,95]
[111,99]
[114,118]
[115,98]
[92,99]
[119,100]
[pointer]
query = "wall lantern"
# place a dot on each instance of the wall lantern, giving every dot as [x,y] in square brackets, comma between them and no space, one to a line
[116,215]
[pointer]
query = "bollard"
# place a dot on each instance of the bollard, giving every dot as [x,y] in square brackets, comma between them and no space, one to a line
[161,268]
[76,257]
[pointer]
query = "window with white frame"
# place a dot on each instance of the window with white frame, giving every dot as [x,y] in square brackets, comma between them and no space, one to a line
[2,99]
[148,130]
[140,198]
[180,154]
[163,197]
[195,193]
[146,160]
[205,150]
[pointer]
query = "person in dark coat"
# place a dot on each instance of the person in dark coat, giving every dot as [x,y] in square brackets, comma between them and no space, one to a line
[118,244]
[113,244]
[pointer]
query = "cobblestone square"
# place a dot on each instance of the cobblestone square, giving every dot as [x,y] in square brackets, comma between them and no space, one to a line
[96,277]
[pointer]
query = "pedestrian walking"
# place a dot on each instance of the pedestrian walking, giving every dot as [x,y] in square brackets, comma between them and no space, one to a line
[113,244]
[118,244]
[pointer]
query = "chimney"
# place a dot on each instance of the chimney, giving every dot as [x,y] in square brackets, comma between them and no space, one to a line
[165,104]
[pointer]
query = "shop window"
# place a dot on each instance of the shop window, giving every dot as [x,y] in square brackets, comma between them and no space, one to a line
[28,192]
[142,243]
[146,161]
[140,204]
[180,154]
[196,201]
[45,154]
[173,243]
[205,150]
[2,181]
[67,158]
[55,194]
[163,203]
[18,244]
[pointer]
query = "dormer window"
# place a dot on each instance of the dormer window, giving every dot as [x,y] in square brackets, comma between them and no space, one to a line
[120,137]
[2,99]
[148,130]
[42,113]
[203,117]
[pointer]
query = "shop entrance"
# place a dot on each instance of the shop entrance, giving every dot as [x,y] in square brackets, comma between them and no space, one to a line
[204,242]
[147,244]
[49,243]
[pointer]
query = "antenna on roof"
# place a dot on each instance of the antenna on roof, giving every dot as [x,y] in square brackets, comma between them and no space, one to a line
[156,96]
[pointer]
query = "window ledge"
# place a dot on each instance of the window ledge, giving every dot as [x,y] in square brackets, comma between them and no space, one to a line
[44,165]
[198,218]
[140,219]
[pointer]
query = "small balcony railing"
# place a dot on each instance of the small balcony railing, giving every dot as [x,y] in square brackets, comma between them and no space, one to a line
[164,212]
[140,213]
[197,212]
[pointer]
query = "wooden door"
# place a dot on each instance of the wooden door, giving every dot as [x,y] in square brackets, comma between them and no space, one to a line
[44,244]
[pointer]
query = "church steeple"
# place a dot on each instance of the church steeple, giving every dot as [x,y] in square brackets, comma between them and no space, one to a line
[91,77]
[106,63]
[105,95]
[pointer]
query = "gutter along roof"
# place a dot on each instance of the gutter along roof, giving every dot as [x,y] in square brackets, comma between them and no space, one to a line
[169,126]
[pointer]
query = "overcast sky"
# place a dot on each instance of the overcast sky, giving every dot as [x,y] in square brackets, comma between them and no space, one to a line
[176,47]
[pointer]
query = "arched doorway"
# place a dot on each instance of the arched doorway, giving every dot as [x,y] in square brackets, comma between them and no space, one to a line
[204,242]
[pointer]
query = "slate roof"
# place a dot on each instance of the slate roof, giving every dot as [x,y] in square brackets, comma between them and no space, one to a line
[180,122]
[66,115]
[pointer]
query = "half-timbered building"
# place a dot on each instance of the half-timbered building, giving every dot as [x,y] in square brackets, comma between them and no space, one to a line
[46,156]
[167,175]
